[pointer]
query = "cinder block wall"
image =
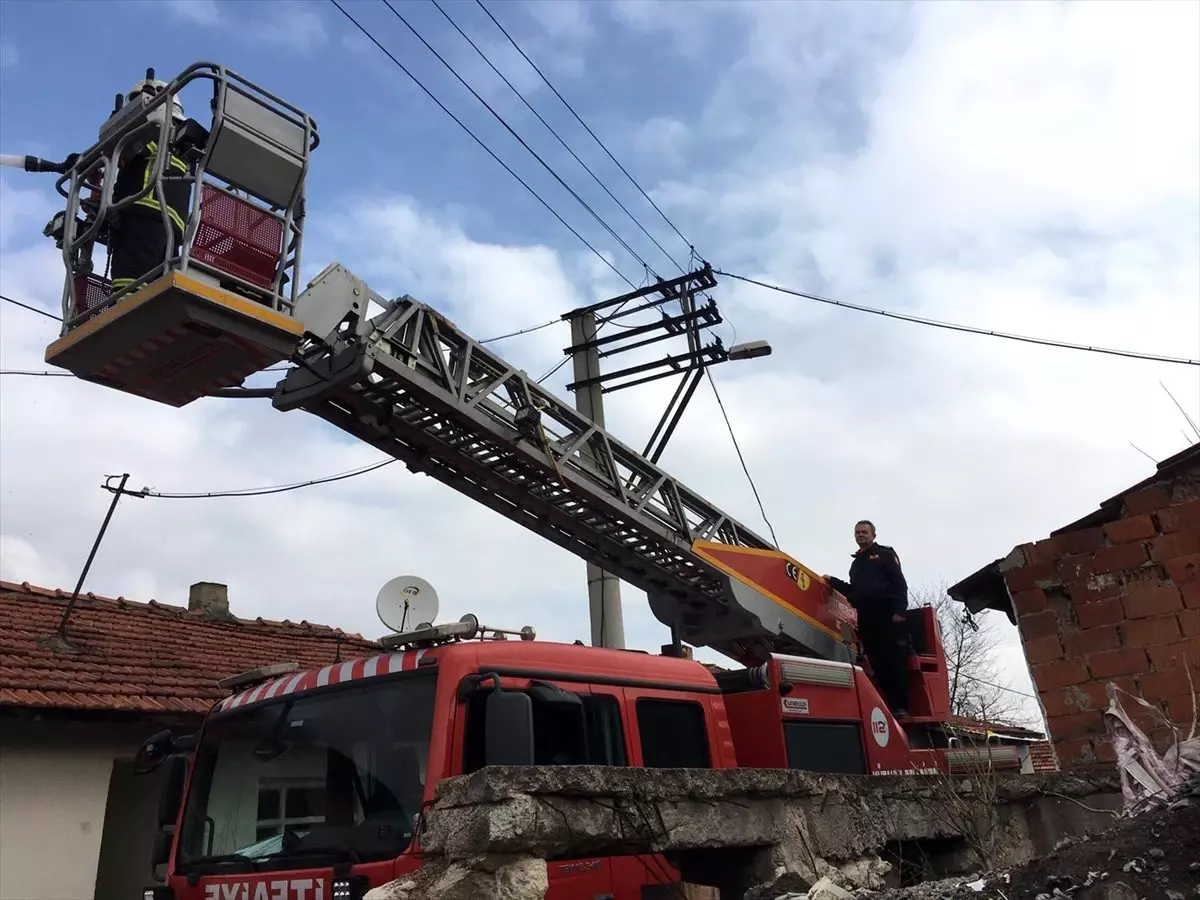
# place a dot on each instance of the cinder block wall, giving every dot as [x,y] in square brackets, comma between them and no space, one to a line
[1119,603]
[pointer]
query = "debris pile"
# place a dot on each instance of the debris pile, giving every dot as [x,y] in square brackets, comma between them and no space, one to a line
[1152,856]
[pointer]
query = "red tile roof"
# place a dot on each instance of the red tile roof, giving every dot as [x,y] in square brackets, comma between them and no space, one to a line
[979,726]
[143,657]
[1043,757]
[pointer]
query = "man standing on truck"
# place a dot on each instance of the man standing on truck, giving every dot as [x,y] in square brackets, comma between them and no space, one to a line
[878,591]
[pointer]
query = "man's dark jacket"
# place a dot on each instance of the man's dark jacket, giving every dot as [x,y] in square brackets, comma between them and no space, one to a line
[877,588]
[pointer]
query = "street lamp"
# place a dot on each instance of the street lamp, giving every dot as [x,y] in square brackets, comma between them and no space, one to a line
[749,350]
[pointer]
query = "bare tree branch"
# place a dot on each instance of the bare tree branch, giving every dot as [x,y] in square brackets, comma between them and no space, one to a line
[973,663]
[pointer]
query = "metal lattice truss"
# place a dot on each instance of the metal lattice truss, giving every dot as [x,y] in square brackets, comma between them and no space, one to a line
[411,383]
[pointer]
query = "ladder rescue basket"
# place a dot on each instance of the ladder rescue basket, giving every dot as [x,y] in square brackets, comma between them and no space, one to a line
[217,301]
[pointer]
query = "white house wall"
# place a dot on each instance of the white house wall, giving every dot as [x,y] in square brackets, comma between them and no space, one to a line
[54,781]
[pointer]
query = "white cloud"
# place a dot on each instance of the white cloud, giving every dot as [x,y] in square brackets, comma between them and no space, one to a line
[562,20]
[664,137]
[196,12]
[9,55]
[292,24]
[1019,167]
[1022,167]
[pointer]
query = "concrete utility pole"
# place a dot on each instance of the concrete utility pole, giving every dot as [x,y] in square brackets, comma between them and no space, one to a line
[604,588]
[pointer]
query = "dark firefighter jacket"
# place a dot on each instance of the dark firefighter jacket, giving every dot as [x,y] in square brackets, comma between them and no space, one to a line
[877,588]
[135,173]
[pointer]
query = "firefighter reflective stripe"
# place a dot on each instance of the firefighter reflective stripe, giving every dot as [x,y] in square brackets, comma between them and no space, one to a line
[150,201]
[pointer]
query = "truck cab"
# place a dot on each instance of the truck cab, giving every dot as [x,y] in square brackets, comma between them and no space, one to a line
[311,784]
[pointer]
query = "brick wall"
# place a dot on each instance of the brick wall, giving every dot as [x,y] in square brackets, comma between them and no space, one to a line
[1117,603]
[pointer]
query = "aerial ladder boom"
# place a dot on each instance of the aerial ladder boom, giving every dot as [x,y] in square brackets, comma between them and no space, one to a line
[224,302]
[410,382]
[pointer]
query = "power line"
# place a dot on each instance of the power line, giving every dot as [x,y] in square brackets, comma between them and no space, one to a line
[499,118]
[562,362]
[52,316]
[741,458]
[991,684]
[969,329]
[529,330]
[541,74]
[551,129]
[650,200]
[255,492]
[477,140]
[500,337]
[35,309]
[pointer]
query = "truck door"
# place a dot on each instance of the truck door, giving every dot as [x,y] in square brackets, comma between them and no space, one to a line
[571,727]
[667,729]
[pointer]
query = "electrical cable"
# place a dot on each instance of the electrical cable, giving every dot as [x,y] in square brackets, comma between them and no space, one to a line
[46,373]
[256,492]
[499,118]
[599,327]
[35,309]
[650,200]
[968,329]
[741,458]
[990,684]
[562,362]
[50,315]
[477,140]
[541,74]
[551,129]
[529,330]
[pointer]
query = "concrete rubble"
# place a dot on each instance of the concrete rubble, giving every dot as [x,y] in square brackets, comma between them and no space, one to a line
[758,834]
[1154,855]
[494,877]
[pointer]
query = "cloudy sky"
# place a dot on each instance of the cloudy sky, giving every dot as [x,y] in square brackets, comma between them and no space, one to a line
[1023,167]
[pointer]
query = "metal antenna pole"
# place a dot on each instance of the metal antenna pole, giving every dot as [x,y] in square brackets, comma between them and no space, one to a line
[604,588]
[60,633]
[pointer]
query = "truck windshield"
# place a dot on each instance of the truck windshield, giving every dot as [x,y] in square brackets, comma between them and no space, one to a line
[337,774]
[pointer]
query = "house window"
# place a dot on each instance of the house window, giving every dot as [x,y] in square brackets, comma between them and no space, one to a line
[673,734]
[289,804]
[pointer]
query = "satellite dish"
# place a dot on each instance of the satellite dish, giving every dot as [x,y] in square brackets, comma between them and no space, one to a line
[406,603]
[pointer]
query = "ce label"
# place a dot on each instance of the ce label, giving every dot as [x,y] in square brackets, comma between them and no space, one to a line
[798,576]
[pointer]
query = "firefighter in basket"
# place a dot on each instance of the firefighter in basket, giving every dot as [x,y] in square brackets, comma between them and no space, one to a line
[138,237]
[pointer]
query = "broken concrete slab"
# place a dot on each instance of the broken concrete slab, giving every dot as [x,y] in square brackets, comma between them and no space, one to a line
[741,830]
[485,877]
[592,811]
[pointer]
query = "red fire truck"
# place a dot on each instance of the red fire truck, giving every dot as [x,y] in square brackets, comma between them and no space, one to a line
[309,785]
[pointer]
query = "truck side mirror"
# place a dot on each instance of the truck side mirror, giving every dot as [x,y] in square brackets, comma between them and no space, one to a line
[509,729]
[153,752]
[171,797]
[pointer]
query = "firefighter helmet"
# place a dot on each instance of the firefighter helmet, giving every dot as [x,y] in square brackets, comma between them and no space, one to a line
[151,87]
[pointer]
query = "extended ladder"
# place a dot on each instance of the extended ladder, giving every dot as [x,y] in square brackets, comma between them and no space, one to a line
[411,383]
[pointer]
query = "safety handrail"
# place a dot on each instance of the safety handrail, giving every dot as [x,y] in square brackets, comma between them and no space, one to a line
[108,151]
